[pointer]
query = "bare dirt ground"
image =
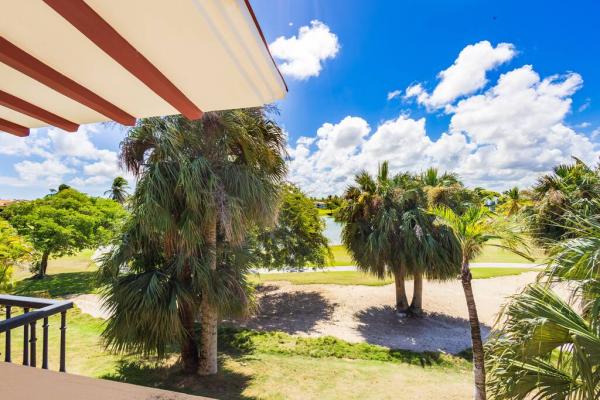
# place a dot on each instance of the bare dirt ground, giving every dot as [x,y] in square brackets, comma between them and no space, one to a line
[366,313]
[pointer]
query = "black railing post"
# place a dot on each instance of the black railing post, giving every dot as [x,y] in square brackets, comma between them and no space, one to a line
[7,357]
[26,340]
[34,310]
[45,345]
[63,340]
[33,346]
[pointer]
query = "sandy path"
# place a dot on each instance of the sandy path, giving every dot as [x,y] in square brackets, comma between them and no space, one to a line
[365,313]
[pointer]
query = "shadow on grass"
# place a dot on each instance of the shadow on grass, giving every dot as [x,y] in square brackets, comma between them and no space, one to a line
[433,332]
[239,342]
[290,312]
[58,285]
[226,385]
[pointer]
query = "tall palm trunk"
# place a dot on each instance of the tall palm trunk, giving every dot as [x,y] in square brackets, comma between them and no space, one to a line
[401,299]
[189,347]
[478,356]
[416,306]
[209,315]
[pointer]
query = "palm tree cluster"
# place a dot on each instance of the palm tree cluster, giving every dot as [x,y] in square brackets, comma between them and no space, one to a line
[570,190]
[547,346]
[388,231]
[181,257]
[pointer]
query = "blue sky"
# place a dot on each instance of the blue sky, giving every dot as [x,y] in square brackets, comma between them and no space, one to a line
[521,92]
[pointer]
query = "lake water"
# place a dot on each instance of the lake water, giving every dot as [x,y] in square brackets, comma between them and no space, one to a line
[333,231]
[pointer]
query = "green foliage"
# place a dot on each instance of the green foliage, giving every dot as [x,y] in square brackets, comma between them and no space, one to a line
[387,228]
[571,190]
[13,250]
[222,171]
[478,227]
[544,349]
[544,346]
[297,238]
[118,190]
[58,285]
[65,222]
[249,341]
[513,201]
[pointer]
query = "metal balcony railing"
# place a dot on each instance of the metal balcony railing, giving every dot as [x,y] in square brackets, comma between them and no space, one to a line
[34,310]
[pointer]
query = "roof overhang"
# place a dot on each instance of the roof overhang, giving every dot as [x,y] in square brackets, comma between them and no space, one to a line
[69,62]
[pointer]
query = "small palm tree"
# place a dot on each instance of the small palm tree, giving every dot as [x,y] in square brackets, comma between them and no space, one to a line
[475,229]
[118,190]
[432,177]
[514,201]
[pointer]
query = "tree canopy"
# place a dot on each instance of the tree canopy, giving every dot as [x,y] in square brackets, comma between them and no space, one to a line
[296,239]
[13,250]
[570,190]
[64,222]
[388,230]
[201,186]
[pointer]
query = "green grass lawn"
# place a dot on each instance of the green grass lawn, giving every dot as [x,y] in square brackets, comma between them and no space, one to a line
[66,275]
[324,212]
[490,254]
[80,262]
[493,254]
[359,278]
[267,365]
[254,365]
[341,257]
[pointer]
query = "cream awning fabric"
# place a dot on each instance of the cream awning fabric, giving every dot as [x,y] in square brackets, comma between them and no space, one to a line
[70,62]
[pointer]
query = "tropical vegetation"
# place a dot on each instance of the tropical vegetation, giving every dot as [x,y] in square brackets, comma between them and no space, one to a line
[475,229]
[13,251]
[64,223]
[201,186]
[296,240]
[389,232]
[547,346]
[118,190]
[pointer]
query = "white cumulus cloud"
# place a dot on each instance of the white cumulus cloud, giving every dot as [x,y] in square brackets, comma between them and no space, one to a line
[465,76]
[393,94]
[507,135]
[304,54]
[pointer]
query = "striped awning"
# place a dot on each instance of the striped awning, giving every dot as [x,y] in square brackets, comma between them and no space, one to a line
[69,62]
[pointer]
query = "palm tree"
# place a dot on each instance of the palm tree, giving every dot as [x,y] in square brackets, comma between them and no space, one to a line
[432,177]
[570,188]
[545,348]
[202,184]
[475,229]
[444,189]
[118,190]
[388,232]
[514,201]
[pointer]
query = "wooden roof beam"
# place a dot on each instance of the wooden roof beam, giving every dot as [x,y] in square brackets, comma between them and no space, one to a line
[14,103]
[23,62]
[12,128]
[95,28]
